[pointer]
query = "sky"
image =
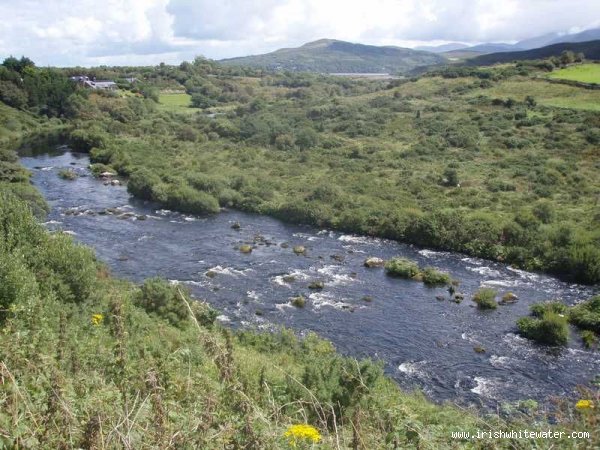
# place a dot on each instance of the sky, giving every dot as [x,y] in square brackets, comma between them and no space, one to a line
[136,32]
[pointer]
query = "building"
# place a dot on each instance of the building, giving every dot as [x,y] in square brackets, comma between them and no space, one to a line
[105,85]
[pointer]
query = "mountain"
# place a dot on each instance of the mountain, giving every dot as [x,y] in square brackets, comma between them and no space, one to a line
[451,47]
[494,48]
[590,49]
[333,56]
[558,38]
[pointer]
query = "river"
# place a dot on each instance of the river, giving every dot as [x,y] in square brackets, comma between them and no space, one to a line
[425,342]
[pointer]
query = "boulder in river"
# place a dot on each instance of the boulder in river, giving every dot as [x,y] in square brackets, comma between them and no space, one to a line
[288,278]
[245,248]
[508,298]
[236,225]
[372,261]
[107,174]
[115,183]
[316,285]
[299,250]
[298,302]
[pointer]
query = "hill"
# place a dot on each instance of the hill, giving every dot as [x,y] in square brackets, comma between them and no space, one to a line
[333,56]
[590,49]
[452,46]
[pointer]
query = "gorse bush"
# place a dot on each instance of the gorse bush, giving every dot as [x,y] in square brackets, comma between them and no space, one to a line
[550,328]
[402,267]
[586,315]
[485,298]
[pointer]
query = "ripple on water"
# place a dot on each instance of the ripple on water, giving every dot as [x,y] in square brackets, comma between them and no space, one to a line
[485,270]
[353,239]
[229,271]
[414,369]
[321,299]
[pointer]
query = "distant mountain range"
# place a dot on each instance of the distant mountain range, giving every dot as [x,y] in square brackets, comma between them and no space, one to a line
[590,49]
[333,56]
[526,44]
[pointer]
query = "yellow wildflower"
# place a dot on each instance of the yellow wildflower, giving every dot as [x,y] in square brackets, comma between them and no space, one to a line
[584,404]
[302,433]
[97,319]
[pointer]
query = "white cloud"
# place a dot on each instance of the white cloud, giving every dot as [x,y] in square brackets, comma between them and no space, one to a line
[66,32]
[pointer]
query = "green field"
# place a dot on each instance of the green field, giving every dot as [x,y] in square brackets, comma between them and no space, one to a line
[585,73]
[547,94]
[176,102]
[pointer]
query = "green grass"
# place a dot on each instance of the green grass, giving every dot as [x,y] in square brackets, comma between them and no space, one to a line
[547,94]
[180,102]
[585,73]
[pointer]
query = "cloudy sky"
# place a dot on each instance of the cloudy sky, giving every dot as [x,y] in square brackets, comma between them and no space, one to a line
[92,32]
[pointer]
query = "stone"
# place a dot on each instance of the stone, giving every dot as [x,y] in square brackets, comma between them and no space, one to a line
[372,261]
[299,250]
[316,285]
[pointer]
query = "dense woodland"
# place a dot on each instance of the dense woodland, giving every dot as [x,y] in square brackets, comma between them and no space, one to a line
[483,161]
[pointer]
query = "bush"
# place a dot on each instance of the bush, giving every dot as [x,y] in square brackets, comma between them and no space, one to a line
[402,267]
[538,309]
[157,296]
[67,174]
[586,315]
[486,298]
[550,329]
[432,276]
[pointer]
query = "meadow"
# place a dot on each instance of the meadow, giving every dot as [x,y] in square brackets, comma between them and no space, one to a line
[585,73]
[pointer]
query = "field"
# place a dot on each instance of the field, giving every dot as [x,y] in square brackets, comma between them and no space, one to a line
[585,73]
[548,94]
[180,102]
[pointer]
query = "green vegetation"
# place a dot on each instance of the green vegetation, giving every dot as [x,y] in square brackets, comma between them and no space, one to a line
[89,361]
[549,322]
[406,268]
[485,298]
[586,315]
[67,174]
[402,267]
[176,102]
[585,73]
[432,277]
[471,160]
[546,327]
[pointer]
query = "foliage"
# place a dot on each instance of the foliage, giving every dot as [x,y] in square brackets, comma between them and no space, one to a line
[586,315]
[485,298]
[402,267]
[551,328]
[432,276]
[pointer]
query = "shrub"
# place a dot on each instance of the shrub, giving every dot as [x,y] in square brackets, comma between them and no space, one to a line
[551,328]
[157,296]
[486,298]
[298,302]
[67,174]
[589,338]
[432,276]
[538,309]
[402,267]
[586,315]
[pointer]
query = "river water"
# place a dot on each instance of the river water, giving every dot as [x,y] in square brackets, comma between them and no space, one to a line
[426,342]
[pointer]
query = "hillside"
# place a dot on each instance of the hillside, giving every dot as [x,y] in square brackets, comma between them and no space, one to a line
[332,56]
[590,49]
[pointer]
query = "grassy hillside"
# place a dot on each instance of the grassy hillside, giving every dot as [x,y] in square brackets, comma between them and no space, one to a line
[331,56]
[585,73]
[590,49]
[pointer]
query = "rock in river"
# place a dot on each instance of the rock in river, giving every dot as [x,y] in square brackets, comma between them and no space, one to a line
[374,262]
